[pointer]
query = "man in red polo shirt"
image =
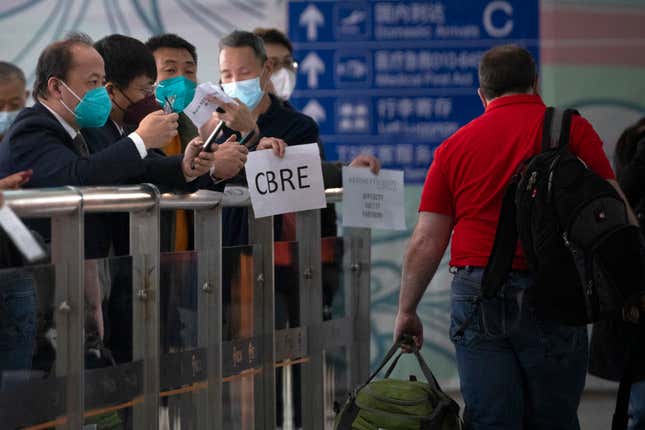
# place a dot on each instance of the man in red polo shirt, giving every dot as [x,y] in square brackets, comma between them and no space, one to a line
[518,371]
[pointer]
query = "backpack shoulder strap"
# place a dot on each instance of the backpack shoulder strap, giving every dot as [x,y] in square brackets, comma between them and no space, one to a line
[500,261]
[557,127]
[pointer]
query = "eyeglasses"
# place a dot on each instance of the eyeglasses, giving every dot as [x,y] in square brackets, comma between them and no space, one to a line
[287,62]
[147,90]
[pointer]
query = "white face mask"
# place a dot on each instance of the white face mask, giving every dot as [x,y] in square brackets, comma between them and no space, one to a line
[6,119]
[284,81]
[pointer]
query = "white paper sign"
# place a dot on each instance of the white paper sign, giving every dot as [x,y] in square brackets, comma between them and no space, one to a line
[20,235]
[373,201]
[203,105]
[282,185]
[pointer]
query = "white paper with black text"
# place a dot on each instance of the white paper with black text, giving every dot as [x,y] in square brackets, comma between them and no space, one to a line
[373,201]
[204,103]
[282,185]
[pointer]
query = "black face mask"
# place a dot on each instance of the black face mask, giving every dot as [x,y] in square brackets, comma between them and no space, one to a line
[137,111]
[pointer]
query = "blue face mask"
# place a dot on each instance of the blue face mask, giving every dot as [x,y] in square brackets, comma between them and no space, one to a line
[6,119]
[248,91]
[178,91]
[93,110]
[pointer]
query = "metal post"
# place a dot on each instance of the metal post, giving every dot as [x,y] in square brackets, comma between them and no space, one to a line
[208,244]
[357,267]
[144,247]
[261,232]
[311,307]
[67,248]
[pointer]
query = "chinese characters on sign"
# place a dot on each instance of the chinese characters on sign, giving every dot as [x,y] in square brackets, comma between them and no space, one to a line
[396,78]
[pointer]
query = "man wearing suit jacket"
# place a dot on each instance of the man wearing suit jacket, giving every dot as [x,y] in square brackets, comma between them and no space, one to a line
[69,96]
[130,73]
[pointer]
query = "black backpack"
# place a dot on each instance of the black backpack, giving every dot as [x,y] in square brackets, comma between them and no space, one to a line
[587,259]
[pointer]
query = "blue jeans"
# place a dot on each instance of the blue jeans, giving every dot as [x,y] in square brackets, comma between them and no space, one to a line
[516,371]
[637,407]
[17,320]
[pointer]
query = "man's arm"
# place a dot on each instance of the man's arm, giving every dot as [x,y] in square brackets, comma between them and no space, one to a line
[425,250]
[55,164]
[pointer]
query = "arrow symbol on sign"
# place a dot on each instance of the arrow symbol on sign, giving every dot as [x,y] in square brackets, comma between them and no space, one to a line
[312,66]
[315,110]
[312,19]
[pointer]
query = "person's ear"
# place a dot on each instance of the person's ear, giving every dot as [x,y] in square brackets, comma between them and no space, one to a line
[110,88]
[268,67]
[265,75]
[27,94]
[482,98]
[54,87]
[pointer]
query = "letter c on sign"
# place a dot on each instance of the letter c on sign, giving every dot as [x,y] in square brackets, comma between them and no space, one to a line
[257,184]
[493,7]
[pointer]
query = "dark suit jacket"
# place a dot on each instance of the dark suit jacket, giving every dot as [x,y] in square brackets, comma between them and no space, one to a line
[163,171]
[37,141]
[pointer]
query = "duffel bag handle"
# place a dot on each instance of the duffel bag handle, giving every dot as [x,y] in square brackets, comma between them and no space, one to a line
[407,341]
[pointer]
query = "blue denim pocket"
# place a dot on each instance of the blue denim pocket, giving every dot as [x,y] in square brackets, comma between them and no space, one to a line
[17,312]
[502,315]
[465,317]
[490,319]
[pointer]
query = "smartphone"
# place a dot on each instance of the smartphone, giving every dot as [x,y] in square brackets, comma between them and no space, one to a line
[208,145]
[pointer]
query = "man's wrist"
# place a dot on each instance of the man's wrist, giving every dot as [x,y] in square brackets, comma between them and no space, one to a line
[139,144]
[213,176]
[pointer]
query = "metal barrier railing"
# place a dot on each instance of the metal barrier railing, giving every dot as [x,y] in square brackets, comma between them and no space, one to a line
[270,348]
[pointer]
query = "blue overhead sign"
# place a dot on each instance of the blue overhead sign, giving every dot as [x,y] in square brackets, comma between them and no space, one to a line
[396,78]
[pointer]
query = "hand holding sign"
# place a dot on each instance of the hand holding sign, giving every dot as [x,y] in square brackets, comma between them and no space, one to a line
[277,145]
[289,184]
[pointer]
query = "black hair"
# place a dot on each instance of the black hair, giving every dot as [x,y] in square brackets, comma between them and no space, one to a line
[125,59]
[10,71]
[627,145]
[274,36]
[170,40]
[506,69]
[239,39]
[56,61]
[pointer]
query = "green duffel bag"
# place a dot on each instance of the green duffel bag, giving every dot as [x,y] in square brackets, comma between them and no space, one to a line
[391,404]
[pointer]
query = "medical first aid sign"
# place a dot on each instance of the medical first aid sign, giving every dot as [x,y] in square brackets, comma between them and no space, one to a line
[290,184]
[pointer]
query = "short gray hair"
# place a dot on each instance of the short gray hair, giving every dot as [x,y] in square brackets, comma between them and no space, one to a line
[240,39]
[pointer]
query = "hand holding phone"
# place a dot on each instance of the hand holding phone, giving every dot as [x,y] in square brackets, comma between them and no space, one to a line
[208,144]
[167,106]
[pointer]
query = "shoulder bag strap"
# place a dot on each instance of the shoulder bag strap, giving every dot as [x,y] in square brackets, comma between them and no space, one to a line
[557,128]
[500,261]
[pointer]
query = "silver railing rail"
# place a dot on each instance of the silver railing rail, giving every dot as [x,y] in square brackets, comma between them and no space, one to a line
[66,208]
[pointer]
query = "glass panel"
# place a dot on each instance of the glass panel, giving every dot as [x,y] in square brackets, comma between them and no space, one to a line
[181,365]
[30,393]
[332,278]
[288,399]
[241,351]
[287,304]
[112,380]
[287,290]
[336,383]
